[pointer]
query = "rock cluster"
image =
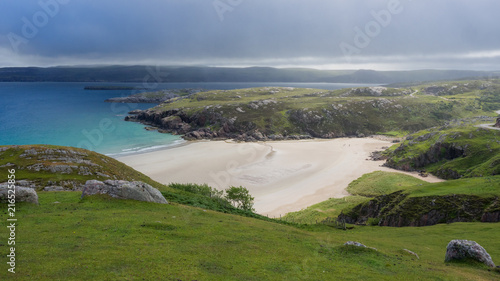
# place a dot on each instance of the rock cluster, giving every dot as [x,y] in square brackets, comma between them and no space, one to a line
[23,194]
[464,249]
[135,190]
[398,210]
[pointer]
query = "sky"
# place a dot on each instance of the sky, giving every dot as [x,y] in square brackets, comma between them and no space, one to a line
[321,34]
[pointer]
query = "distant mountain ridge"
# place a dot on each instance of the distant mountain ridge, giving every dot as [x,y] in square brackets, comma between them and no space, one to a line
[154,74]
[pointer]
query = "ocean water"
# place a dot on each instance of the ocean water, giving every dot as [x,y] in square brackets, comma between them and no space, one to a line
[66,114]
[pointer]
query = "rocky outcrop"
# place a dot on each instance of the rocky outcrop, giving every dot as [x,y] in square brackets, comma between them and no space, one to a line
[497,124]
[124,190]
[398,209]
[22,194]
[207,124]
[459,250]
[436,152]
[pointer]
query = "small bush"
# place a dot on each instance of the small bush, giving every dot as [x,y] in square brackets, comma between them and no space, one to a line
[373,221]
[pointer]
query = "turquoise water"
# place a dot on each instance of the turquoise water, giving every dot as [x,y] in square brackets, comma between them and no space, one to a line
[66,114]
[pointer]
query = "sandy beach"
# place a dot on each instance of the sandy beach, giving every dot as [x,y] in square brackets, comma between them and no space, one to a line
[283,176]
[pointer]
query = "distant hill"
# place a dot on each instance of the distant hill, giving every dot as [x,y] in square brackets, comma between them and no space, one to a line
[166,74]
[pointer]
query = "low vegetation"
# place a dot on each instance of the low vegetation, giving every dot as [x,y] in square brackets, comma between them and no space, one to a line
[450,152]
[276,113]
[206,234]
[99,238]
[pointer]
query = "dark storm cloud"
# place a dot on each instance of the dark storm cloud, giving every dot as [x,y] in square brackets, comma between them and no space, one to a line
[318,33]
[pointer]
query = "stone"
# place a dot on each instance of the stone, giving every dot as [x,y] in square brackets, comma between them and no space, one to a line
[23,194]
[53,188]
[411,253]
[465,249]
[497,124]
[135,190]
[353,243]
[357,244]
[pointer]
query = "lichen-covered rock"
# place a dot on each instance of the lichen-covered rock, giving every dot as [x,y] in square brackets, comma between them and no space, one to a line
[353,243]
[465,249]
[357,244]
[135,190]
[23,194]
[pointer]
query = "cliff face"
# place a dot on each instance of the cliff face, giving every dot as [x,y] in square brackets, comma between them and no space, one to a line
[206,124]
[281,113]
[398,209]
[435,153]
[449,153]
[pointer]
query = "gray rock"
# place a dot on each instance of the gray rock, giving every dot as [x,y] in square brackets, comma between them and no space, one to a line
[357,244]
[353,243]
[411,253]
[53,188]
[465,249]
[124,190]
[23,194]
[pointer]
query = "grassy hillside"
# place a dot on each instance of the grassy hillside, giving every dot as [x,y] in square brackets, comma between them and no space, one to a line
[99,238]
[464,200]
[451,152]
[361,190]
[50,165]
[259,113]
[45,166]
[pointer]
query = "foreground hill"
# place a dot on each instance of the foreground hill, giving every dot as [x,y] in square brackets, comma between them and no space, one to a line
[98,238]
[284,113]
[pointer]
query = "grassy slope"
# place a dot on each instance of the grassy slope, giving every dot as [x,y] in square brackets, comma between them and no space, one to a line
[482,152]
[59,155]
[380,183]
[101,238]
[361,189]
[346,111]
[21,158]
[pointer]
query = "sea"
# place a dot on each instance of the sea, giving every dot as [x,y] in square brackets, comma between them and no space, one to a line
[60,113]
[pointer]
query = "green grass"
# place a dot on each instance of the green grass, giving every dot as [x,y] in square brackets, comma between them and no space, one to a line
[482,187]
[344,112]
[99,238]
[369,185]
[326,209]
[433,150]
[101,165]
[380,183]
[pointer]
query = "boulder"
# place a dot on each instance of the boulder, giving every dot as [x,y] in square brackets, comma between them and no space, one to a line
[497,124]
[124,190]
[353,243]
[23,194]
[465,249]
[357,244]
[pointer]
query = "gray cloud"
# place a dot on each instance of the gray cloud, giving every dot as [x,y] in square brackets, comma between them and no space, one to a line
[417,34]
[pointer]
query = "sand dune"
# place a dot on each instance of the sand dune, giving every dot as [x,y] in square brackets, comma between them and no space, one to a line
[283,176]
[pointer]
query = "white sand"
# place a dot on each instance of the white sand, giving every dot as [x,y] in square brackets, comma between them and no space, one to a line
[283,176]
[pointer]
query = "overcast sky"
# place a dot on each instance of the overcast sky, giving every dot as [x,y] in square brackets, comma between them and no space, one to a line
[323,34]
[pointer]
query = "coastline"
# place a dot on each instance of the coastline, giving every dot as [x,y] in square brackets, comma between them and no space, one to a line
[283,176]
